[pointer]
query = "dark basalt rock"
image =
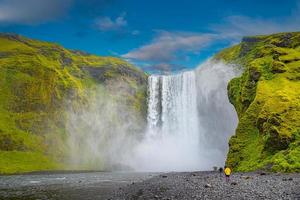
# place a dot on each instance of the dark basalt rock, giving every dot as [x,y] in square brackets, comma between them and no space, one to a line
[80,52]
[245,48]
[260,123]
[100,73]
[251,39]
[285,40]
[275,141]
[247,44]
[254,74]
[65,61]
[275,120]
[278,67]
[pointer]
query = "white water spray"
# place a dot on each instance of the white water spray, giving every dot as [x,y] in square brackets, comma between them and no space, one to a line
[190,120]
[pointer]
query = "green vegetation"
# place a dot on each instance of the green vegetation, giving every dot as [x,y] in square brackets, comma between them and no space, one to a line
[267,99]
[37,81]
[20,161]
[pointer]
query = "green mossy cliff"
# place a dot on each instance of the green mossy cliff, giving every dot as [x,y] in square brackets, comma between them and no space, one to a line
[267,99]
[37,81]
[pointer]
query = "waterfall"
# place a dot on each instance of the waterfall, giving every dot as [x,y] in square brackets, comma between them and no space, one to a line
[189,119]
[189,123]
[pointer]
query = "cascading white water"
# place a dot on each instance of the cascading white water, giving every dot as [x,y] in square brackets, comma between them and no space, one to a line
[189,124]
[190,120]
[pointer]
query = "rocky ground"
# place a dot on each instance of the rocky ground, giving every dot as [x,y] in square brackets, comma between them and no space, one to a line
[67,185]
[210,185]
[130,185]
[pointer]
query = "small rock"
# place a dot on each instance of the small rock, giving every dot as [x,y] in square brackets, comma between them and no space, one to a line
[284,179]
[164,176]
[140,192]
[245,177]
[207,185]
[233,183]
[290,179]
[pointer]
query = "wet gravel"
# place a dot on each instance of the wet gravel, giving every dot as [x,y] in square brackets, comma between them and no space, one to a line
[210,185]
[129,185]
[66,186]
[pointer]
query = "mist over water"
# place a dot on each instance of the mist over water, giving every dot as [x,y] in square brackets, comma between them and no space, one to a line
[189,123]
[189,119]
[102,133]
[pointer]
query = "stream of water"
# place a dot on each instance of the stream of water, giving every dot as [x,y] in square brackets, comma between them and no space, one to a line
[189,119]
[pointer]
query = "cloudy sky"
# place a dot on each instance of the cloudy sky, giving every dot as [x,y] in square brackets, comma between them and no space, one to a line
[155,35]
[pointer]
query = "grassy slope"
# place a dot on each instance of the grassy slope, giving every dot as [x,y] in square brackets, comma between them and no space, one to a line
[36,79]
[267,100]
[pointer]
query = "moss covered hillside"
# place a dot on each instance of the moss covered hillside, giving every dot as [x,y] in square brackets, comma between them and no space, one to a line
[267,99]
[37,80]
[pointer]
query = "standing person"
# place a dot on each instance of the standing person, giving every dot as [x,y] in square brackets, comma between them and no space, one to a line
[220,171]
[227,172]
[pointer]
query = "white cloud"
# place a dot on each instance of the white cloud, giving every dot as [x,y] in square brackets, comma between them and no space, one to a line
[108,24]
[163,50]
[166,45]
[235,27]
[31,11]
[135,32]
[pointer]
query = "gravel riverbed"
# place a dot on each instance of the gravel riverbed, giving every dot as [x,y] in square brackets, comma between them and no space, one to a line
[212,185]
[133,186]
[67,186]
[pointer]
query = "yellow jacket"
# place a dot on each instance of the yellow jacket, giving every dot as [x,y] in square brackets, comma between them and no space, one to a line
[227,171]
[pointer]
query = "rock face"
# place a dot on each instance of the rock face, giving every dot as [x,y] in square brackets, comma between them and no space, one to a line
[267,99]
[38,80]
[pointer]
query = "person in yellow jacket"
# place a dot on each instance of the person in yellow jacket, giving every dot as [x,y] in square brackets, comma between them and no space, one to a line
[227,172]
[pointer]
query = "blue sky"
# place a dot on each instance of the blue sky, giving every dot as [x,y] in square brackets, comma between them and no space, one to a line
[155,35]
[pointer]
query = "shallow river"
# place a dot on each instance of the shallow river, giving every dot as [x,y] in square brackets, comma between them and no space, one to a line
[92,185]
